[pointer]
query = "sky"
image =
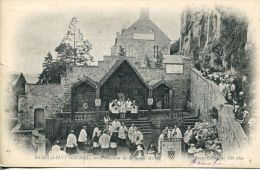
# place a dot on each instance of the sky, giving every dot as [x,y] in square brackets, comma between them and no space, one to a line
[36,32]
[30,29]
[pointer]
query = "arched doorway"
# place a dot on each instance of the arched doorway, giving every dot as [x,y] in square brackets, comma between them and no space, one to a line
[83,97]
[161,93]
[124,83]
[38,118]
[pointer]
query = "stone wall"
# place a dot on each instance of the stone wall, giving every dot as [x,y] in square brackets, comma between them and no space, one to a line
[48,97]
[205,94]
[232,136]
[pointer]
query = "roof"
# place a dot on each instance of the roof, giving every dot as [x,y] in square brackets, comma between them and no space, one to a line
[175,59]
[100,73]
[14,77]
[145,22]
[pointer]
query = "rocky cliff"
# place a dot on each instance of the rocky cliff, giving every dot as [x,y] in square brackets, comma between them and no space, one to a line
[215,38]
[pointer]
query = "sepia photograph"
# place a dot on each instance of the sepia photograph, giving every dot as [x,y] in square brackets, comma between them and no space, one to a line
[129,83]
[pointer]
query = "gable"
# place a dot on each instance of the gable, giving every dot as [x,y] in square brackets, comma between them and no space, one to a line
[145,26]
[124,66]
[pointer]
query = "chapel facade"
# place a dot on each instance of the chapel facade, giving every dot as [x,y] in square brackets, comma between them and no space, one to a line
[85,91]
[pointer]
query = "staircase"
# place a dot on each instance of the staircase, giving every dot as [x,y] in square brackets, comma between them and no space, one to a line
[143,124]
[190,119]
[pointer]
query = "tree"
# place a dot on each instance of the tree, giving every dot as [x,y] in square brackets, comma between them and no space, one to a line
[73,46]
[175,47]
[52,70]
[73,50]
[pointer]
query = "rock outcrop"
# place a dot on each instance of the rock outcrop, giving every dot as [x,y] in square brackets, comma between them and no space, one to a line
[214,37]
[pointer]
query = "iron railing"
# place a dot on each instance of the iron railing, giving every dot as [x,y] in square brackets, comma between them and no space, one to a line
[91,115]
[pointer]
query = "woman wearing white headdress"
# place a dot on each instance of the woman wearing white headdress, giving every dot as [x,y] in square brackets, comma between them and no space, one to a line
[82,137]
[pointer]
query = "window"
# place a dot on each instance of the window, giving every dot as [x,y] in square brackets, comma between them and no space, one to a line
[155,51]
[22,92]
[130,51]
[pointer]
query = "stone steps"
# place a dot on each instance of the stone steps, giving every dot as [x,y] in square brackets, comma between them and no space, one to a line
[190,120]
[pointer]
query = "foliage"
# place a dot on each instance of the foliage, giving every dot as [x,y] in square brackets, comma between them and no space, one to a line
[73,50]
[159,59]
[147,61]
[52,70]
[175,47]
[195,48]
[233,39]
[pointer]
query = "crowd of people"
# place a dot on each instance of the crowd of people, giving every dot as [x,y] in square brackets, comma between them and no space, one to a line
[200,141]
[106,142]
[123,109]
[232,86]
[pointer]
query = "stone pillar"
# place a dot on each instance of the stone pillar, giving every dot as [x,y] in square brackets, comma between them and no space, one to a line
[150,106]
[171,101]
[97,106]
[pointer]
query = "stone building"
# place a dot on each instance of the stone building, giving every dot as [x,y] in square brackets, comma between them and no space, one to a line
[85,91]
[141,39]
[95,86]
[17,87]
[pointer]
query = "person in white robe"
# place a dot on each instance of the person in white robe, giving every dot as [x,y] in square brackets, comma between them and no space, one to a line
[71,145]
[56,150]
[96,130]
[170,133]
[109,128]
[122,109]
[115,110]
[128,105]
[82,138]
[115,126]
[162,136]
[134,111]
[122,134]
[137,137]
[104,142]
[187,136]
[177,132]
[131,132]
